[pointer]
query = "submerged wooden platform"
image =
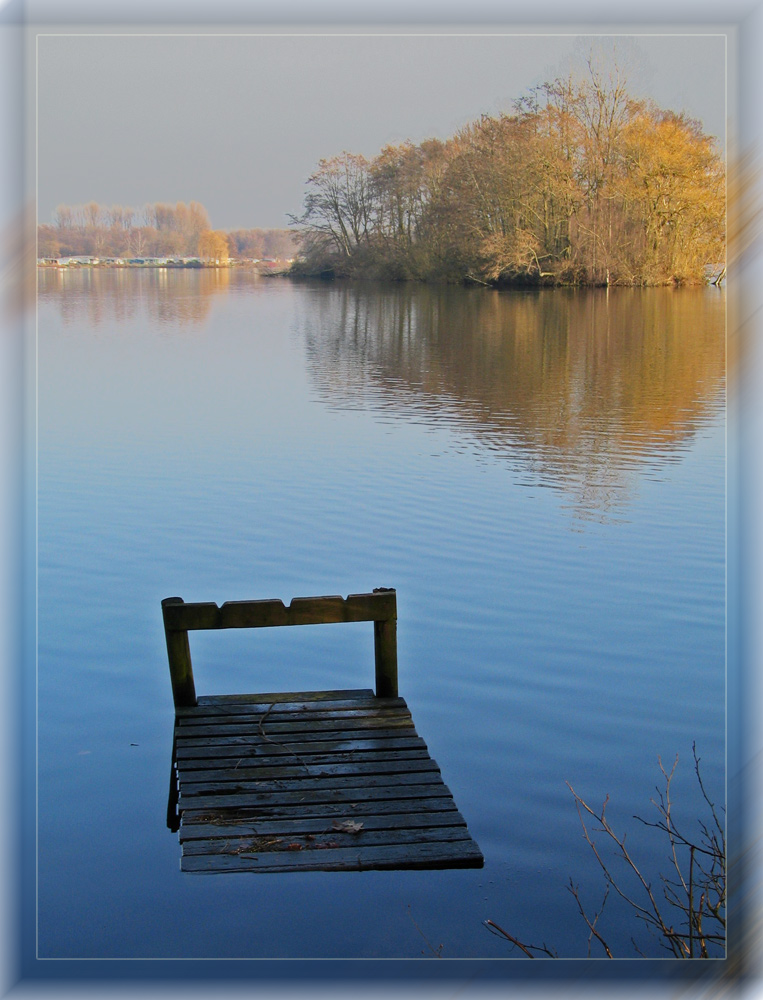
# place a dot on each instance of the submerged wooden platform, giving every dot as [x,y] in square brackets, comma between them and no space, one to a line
[317,780]
[324,780]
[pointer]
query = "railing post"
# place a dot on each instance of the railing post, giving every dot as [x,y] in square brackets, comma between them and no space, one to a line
[385,651]
[179,656]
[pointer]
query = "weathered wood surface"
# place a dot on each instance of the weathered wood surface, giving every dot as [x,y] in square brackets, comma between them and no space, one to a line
[327,780]
[379,607]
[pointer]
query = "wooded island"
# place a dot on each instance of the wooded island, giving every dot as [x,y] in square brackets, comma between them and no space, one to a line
[582,184]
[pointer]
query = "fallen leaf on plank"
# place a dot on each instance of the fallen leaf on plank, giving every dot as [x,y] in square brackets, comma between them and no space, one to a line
[347,826]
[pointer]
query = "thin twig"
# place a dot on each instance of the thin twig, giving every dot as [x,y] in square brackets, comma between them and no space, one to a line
[437,952]
[526,948]
[274,743]
[592,923]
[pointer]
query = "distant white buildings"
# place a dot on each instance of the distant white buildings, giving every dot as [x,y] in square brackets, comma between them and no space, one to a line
[86,261]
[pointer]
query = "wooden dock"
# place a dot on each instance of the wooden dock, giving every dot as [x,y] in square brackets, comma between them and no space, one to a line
[321,780]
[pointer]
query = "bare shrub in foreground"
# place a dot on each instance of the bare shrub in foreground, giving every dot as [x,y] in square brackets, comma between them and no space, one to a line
[686,912]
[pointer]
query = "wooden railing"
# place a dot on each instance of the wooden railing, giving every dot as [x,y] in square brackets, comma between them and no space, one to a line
[180,618]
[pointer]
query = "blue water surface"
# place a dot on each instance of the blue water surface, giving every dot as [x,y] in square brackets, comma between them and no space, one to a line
[541,478]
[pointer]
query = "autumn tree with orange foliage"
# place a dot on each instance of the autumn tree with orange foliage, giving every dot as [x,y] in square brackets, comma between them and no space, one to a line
[673,190]
[213,247]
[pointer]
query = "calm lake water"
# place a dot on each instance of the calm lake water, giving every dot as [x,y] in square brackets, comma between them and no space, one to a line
[541,475]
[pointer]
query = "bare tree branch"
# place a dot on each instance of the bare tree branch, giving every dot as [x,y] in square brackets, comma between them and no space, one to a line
[697,893]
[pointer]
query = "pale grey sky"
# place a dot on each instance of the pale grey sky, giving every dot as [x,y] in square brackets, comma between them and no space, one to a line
[238,122]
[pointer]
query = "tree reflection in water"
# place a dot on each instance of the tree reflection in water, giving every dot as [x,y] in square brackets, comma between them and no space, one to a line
[165,294]
[576,389]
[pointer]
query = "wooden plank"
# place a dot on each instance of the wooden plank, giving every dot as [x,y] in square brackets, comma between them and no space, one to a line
[241,711]
[284,757]
[257,751]
[266,811]
[299,723]
[268,698]
[247,720]
[300,772]
[350,796]
[447,855]
[313,761]
[275,735]
[349,736]
[307,787]
[242,706]
[225,826]
[330,725]
[379,606]
[288,713]
[266,719]
[286,725]
[327,840]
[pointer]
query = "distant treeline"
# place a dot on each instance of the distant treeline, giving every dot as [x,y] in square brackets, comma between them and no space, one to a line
[154,230]
[581,184]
